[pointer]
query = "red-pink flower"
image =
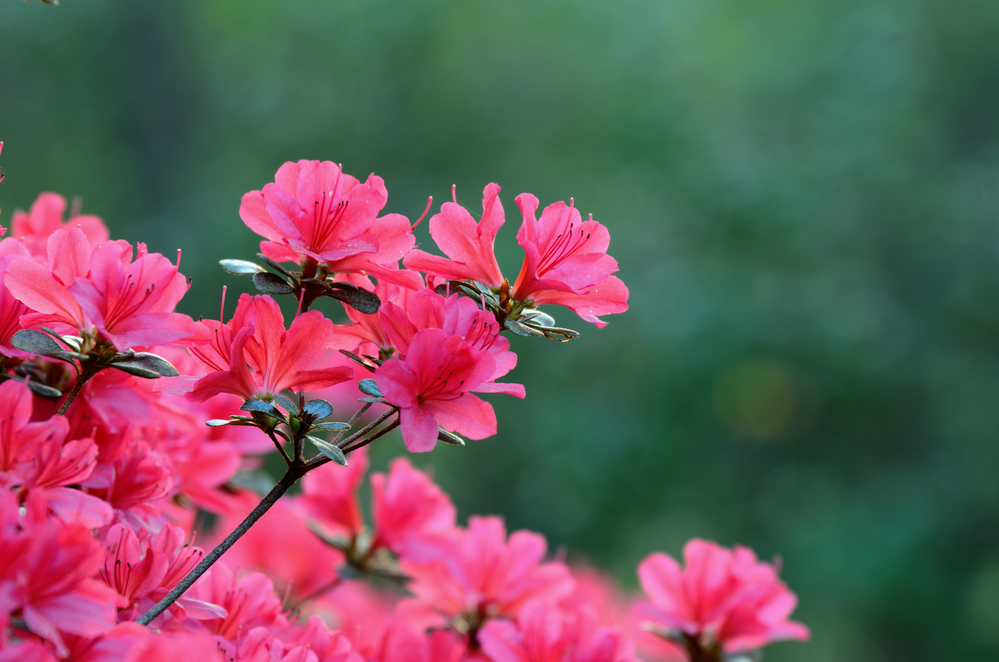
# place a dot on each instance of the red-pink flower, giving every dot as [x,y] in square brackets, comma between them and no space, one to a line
[253,355]
[314,210]
[722,598]
[46,570]
[402,645]
[566,261]
[329,495]
[544,633]
[34,228]
[432,387]
[249,602]
[411,513]
[480,574]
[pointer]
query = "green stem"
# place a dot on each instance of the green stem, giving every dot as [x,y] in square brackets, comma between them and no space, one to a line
[86,372]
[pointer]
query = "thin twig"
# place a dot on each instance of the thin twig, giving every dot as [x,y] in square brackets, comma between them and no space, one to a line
[277,445]
[353,419]
[289,479]
[364,442]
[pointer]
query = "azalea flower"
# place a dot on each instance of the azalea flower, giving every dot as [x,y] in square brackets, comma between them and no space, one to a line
[722,598]
[313,211]
[565,263]
[34,228]
[253,356]
[433,387]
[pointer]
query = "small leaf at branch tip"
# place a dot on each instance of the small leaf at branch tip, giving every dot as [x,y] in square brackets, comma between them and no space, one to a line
[521,329]
[276,266]
[38,388]
[143,364]
[374,401]
[369,387]
[355,297]
[268,283]
[241,267]
[287,403]
[217,423]
[36,342]
[264,408]
[318,409]
[328,449]
[449,437]
[332,425]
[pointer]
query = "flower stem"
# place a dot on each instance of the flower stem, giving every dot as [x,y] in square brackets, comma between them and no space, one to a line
[86,372]
[290,478]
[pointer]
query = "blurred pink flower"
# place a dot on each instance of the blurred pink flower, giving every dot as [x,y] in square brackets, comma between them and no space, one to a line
[722,598]
[412,514]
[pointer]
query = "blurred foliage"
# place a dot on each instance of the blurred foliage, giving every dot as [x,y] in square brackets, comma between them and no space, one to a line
[803,198]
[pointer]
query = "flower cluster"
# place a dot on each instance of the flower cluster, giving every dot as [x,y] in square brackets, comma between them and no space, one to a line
[106,461]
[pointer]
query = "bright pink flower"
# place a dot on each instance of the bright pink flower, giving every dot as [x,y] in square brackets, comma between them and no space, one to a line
[249,602]
[165,646]
[360,612]
[280,544]
[480,574]
[316,642]
[135,483]
[411,513]
[329,495]
[314,210]
[723,597]
[457,316]
[253,355]
[44,288]
[432,387]
[56,466]
[46,572]
[369,329]
[17,435]
[34,228]
[467,243]
[11,311]
[402,645]
[131,303]
[566,262]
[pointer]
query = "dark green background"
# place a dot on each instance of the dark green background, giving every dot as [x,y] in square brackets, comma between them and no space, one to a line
[803,198]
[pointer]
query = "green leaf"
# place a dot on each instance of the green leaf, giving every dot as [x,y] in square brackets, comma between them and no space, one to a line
[357,298]
[288,405]
[217,423]
[276,266]
[449,437]
[369,387]
[36,387]
[328,449]
[538,318]
[332,425]
[318,409]
[144,364]
[242,267]
[36,342]
[264,408]
[516,327]
[268,283]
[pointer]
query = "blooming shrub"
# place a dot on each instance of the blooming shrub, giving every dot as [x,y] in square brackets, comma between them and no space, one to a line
[106,458]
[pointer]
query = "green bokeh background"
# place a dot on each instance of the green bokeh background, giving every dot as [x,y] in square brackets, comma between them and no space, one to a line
[803,198]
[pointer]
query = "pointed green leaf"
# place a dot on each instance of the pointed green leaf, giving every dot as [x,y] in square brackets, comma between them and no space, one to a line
[242,267]
[369,387]
[449,437]
[217,423]
[268,283]
[357,298]
[36,342]
[263,408]
[328,449]
[332,425]
[318,409]
[287,403]
[144,364]
[276,266]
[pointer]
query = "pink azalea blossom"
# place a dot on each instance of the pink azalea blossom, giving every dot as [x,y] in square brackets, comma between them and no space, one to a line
[329,495]
[402,645]
[480,574]
[433,385]
[253,356]
[35,227]
[723,597]
[249,601]
[544,633]
[411,513]
[46,571]
[565,263]
[361,612]
[315,211]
